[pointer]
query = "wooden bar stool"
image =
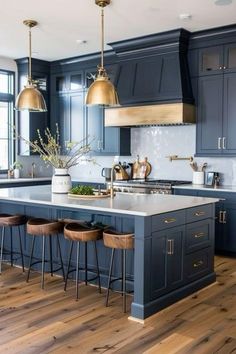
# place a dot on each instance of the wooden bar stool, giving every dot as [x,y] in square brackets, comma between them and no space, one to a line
[45,228]
[78,233]
[10,221]
[123,242]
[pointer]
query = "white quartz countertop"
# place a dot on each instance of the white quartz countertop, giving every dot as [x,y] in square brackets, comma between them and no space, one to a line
[23,180]
[123,203]
[223,188]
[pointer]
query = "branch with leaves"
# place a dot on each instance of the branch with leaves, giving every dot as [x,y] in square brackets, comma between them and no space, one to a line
[51,152]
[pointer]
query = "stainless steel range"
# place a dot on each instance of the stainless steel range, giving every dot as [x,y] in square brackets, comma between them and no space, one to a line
[147,186]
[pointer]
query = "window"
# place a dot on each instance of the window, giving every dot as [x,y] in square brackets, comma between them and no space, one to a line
[6,119]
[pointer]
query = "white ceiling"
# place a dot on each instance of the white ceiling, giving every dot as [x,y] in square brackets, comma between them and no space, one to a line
[62,22]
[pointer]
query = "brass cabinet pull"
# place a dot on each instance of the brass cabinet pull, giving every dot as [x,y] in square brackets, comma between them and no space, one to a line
[224,143]
[169,221]
[170,249]
[199,213]
[221,217]
[198,264]
[199,234]
[224,217]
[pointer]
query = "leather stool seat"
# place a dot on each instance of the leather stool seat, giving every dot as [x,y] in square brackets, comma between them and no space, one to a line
[39,227]
[79,233]
[10,221]
[123,242]
[45,228]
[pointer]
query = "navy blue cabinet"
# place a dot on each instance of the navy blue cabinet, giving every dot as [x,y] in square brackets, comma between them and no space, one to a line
[225,218]
[209,117]
[217,59]
[216,115]
[78,122]
[167,259]
[28,123]
[67,82]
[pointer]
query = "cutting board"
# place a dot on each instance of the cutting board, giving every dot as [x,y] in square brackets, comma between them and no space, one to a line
[141,169]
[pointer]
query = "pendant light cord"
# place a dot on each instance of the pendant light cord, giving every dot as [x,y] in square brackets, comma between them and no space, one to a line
[30,50]
[102,44]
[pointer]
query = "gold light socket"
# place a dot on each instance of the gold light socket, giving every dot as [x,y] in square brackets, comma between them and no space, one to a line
[30,23]
[102,3]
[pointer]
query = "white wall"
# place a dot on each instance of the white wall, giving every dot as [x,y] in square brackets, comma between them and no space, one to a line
[8,64]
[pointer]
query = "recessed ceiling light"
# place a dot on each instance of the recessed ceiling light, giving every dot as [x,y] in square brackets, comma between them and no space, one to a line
[223,2]
[81,41]
[185,16]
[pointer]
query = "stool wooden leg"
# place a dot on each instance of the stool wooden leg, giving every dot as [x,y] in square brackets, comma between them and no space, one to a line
[2,245]
[109,276]
[50,252]
[86,263]
[124,280]
[98,272]
[60,255]
[77,271]
[21,250]
[68,264]
[43,262]
[11,246]
[30,261]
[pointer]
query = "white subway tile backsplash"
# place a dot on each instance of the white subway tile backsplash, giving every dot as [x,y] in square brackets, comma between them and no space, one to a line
[156,143]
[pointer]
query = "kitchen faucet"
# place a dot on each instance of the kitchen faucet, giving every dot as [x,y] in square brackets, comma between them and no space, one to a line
[112,177]
[33,170]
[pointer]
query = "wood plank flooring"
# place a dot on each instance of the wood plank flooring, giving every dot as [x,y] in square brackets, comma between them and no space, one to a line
[36,321]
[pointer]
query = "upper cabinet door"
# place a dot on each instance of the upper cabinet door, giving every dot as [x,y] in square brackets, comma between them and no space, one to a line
[75,81]
[211,60]
[67,82]
[229,121]
[209,116]
[75,117]
[230,58]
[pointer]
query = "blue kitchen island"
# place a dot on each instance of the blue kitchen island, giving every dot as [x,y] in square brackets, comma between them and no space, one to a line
[174,239]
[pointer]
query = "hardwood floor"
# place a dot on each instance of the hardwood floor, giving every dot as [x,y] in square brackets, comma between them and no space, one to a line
[51,321]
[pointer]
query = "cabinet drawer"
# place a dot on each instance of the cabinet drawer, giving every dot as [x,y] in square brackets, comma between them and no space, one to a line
[198,235]
[199,263]
[199,213]
[168,220]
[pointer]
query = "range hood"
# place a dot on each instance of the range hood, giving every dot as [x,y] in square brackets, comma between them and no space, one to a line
[153,81]
[159,114]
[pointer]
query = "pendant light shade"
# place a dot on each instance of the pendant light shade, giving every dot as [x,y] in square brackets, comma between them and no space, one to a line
[30,98]
[102,91]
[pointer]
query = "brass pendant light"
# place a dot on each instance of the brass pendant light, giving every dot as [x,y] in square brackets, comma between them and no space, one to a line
[30,98]
[102,91]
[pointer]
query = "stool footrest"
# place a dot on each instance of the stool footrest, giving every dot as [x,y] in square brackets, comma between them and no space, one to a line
[83,269]
[37,262]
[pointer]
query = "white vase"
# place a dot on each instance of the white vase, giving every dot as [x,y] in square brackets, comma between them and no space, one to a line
[61,181]
[16,173]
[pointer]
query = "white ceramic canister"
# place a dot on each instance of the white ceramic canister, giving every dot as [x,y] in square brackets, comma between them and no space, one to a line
[198,177]
[61,181]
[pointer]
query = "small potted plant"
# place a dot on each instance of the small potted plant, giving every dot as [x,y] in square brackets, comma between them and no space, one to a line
[17,166]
